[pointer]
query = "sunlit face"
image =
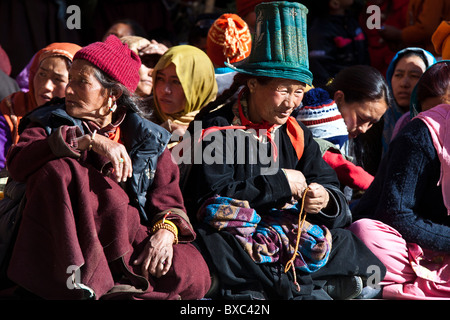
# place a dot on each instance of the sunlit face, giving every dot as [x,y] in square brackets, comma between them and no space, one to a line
[50,80]
[145,84]
[275,101]
[168,90]
[86,98]
[406,74]
[360,116]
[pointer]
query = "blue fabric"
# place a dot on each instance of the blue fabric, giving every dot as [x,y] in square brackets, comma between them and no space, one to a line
[394,112]
[270,237]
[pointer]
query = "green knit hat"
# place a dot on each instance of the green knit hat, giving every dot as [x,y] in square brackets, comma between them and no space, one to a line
[280,48]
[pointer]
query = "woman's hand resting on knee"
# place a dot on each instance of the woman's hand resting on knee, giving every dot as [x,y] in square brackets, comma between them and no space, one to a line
[156,258]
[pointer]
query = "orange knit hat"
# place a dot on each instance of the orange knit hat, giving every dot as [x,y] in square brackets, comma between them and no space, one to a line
[441,40]
[229,40]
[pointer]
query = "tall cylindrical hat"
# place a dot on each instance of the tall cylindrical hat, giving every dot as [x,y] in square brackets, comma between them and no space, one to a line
[280,48]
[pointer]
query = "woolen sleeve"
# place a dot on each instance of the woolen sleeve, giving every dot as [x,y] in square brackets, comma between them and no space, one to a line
[165,198]
[34,143]
[30,153]
[406,188]
[348,173]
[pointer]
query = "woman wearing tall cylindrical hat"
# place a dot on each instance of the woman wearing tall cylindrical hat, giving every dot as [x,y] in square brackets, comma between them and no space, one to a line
[261,171]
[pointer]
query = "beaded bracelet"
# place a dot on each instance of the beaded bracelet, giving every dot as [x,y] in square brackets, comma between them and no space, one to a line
[164,220]
[165,225]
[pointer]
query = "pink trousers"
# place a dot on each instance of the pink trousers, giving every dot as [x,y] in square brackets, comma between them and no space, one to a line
[412,272]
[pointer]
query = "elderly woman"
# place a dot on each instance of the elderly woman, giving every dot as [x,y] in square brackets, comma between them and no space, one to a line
[89,237]
[262,173]
[183,83]
[48,78]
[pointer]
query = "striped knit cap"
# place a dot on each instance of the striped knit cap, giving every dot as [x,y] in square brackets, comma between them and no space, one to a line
[229,40]
[321,115]
[115,59]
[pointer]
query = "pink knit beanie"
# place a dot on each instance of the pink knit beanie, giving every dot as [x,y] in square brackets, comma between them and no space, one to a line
[115,59]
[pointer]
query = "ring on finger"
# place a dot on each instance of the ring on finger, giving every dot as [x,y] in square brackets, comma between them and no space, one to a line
[121,160]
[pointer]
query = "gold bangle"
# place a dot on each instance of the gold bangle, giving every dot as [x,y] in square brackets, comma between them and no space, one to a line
[173,225]
[170,223]
[168,227]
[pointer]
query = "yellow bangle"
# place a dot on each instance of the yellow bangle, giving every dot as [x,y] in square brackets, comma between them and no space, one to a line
[168,227]
[164,220]
[172,224]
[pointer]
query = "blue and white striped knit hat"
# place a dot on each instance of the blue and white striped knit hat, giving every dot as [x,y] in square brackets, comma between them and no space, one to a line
[321,115]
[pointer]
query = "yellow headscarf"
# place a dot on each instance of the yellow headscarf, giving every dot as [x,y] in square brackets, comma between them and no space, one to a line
[196,74]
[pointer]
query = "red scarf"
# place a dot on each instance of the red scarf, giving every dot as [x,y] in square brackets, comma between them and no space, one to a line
[294,131]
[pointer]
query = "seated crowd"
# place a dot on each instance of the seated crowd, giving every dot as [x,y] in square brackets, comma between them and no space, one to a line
[136,170]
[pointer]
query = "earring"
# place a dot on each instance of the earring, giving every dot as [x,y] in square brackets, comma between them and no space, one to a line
[112,106]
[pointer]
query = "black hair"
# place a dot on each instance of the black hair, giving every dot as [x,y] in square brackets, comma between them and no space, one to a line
[127,99]
[360,83]
[409,53]
[434,82]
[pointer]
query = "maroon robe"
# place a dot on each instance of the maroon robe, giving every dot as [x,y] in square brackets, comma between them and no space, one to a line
[75,217]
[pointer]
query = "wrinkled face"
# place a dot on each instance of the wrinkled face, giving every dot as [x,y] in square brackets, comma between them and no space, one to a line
[360,116]
[274,102]
[406,74]
[86,98]
[168,90]
[50,80]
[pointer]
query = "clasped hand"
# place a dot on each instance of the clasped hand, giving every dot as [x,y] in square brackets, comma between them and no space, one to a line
[316,198]
[114,151]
